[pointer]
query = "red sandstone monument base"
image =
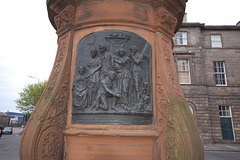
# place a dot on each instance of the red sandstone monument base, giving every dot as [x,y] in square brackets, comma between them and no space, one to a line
[172,133]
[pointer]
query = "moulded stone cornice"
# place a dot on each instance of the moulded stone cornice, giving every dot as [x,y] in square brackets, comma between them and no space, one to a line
[175,8]
[153,3]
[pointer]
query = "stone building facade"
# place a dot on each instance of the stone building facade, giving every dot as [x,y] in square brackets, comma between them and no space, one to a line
[4,120]
[207,60]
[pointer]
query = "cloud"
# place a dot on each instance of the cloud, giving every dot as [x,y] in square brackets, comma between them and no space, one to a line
[28,47]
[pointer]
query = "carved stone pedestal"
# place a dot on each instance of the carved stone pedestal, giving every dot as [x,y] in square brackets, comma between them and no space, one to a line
[113,93]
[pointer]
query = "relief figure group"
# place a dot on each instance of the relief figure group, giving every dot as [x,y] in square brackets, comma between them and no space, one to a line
[112,82]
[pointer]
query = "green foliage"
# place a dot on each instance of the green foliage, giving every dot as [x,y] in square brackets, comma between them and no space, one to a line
[27,100]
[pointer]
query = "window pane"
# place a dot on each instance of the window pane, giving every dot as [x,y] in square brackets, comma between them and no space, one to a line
[184,77]
[219,71]
[217,79]
[228,113]
[179,65]
[182,38]
[179,41]
[227,108]
[220,108]
[184,35]
[216,41]
[220,113]
[215,64]
[224,111]
[222,79]
[184,41]
[215,37]
[184,71]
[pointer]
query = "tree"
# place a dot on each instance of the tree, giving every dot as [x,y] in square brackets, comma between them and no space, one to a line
[28,97]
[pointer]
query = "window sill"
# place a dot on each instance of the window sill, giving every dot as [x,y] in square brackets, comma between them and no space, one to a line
[185,83]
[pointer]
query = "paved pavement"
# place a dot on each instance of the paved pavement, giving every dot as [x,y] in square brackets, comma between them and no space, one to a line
[222,151]
[222,155]
[9,149]
[9,145]
[222,147]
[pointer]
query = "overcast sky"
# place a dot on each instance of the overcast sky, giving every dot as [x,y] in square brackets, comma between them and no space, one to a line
[28,42]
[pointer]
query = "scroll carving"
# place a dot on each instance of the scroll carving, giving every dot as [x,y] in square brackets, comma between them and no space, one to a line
[171,72]
[162,99]
[51,143]
[62,51]
[50,139]
[162,103]
[166,123]
[113,75]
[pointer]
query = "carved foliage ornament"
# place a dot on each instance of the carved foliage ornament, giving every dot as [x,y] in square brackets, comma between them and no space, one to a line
[113,80]
[164,19]
[65,17]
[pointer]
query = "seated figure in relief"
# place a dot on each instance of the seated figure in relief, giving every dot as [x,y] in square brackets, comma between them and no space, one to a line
[81,90]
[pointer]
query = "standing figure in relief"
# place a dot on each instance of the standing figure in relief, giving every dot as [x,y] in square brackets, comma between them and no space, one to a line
[106,58]
[121,63]
[137,72]
[80,85]
[94,66]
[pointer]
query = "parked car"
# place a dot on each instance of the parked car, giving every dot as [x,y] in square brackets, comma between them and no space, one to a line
[8,130]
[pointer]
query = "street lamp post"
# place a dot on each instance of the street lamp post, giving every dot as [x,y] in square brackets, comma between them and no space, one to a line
[37,88]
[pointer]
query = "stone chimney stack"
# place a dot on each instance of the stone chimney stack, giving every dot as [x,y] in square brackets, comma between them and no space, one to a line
[185,18]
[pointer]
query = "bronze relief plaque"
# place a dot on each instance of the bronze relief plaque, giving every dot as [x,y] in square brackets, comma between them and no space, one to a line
[113,80]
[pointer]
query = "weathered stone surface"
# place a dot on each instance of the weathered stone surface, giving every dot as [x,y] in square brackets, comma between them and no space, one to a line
[170,133]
